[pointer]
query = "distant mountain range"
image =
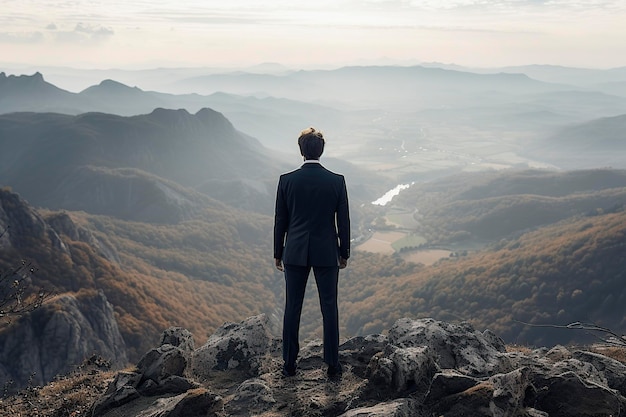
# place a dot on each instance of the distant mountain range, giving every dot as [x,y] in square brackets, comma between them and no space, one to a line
[274,120]
[349,103]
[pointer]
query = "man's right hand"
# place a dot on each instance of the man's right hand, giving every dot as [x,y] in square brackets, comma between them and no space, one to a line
[342,263]
[279,264]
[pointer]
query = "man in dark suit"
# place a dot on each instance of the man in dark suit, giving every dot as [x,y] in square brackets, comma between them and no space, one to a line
[311,230]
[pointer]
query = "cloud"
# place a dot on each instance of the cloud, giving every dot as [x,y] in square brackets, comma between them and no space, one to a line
[85,34]
[21,37]
[51,26]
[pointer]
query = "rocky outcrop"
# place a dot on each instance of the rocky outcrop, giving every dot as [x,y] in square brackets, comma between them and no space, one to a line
[62,224]
[21,223]
[160,375]
[57,337]
[421,368]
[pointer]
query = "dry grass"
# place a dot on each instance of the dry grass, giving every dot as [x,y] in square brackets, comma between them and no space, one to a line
[68,396]
[614,352]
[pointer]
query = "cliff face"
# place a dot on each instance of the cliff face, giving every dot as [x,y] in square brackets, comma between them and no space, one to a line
[77,323]
[58,336]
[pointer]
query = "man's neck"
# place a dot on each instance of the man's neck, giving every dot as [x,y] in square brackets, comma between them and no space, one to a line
[311,161]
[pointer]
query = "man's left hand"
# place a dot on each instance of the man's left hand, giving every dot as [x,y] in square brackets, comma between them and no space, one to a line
[342,263]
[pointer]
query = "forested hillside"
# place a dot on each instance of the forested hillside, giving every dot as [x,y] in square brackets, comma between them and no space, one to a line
[198,274]
[484,207]
[567,272]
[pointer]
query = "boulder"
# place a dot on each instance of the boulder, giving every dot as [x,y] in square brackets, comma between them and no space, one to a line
[568,394]
[357,352]
[179,337]
[122,390]
[456,346]
[448,382]
[159,372]
[235,346]
[253,396]
[499,396]
[404,407]
[614,371]
[399,371]
[162,362]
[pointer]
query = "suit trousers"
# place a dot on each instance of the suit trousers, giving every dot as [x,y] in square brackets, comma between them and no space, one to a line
[326,279]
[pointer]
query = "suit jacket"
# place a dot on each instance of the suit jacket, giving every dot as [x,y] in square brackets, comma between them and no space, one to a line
[312,221]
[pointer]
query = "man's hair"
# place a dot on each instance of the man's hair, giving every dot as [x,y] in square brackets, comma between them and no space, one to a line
[311,142]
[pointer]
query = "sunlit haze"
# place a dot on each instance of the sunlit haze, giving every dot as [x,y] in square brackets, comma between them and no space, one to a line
[142,34]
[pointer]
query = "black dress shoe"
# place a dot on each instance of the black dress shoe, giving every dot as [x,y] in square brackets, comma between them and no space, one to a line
[289,370]
[334,370]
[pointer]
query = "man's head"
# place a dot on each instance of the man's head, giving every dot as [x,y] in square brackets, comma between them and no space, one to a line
[311,142]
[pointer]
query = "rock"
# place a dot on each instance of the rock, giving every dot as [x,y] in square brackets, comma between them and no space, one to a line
[458,347]
[162,362]
[448,382]
[242,347]
[121,391]
[558,353]
[569,395]
[509,392]
[401,370]
[474,402]
[404,407]
[423,368]
[357,352]
[59,336]
[179,337]
[499,396]
[171,385]
[253,396]
[23,224]
[195,403]
[614,371]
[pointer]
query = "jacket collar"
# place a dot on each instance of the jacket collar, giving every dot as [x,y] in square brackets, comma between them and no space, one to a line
[311,163]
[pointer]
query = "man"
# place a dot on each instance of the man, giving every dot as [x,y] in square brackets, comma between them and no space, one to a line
[311,230]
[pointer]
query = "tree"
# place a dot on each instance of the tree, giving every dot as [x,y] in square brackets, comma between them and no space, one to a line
[16,294]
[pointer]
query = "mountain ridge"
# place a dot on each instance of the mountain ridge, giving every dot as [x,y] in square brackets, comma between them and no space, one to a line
[40,153]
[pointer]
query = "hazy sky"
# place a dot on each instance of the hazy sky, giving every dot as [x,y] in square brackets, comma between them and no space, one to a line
[141,34]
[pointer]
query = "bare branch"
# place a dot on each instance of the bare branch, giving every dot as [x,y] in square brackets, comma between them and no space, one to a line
[609,337]
[16,294]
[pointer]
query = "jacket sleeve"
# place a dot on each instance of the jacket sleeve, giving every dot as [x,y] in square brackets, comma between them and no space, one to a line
[343,222]
[281,221]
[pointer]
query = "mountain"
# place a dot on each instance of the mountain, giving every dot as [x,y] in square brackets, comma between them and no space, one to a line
[582,77]
[352,105]
[113,97]
[275,121]
[82,162]
[33,93]
[599,142]
[389,87]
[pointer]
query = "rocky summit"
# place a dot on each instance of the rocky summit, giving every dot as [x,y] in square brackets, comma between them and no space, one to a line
[419,368]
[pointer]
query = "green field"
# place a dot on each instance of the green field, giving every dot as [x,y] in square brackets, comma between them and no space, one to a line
[410,241]
[402,220]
